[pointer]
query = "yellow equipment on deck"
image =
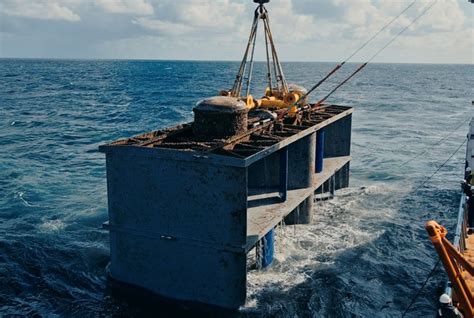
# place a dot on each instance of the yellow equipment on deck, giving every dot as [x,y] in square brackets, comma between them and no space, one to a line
[278,94]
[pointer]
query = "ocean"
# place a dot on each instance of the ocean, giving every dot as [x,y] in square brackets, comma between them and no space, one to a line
[365,255]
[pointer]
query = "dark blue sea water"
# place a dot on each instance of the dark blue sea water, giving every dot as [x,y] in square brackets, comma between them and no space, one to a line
[366,254]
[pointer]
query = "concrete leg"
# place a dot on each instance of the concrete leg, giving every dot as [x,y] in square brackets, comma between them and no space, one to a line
[301,159]
[342,177]
[301,175]
[303,214]
[332,187]
[306,211]
[283,186]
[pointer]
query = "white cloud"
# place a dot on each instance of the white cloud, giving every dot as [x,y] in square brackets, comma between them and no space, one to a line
[223,26]
[445,15]
[218,29]
[40,9]
[195,17]
[133,7]
[165,27]
[209,13]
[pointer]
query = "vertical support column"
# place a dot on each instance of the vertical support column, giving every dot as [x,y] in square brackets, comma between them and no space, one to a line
[332,185]
[337,138]
[319,150]
[283,188]
[301,158]
[303,214]
[306,210]
[342,177]
[301,175]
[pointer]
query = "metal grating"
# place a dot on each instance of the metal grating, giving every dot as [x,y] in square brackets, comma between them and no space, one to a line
[259,136]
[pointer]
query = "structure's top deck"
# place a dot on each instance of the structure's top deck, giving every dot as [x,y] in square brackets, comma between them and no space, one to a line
[260,135]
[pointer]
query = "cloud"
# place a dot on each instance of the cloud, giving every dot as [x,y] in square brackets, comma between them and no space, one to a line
[362,17]
[165,27]
[207,18]
[209,13]
[132,7]
[40,9]
[446,15]
[325,30]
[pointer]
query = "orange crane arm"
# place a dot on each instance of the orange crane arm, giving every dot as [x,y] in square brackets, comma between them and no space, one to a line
[451,259]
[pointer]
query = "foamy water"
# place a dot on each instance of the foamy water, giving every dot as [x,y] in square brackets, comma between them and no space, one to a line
[365,255]
[300,249]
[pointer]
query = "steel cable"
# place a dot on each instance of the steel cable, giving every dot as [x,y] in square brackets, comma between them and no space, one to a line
[440,167]
[437,263]
[435,143]
[337,67]
[380,31]
[249,75]
[421,288]
[427,8]
[403,30]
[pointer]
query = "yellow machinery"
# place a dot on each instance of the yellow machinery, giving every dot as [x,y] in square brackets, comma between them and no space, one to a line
[278,95]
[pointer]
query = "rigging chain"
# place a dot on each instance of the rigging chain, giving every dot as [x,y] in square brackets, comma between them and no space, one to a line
[237,87]
[260,13]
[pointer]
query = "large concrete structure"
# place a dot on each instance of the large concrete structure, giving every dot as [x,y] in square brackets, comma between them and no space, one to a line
[184,213]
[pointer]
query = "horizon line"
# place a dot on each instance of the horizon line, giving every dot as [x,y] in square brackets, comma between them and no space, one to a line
[205,60]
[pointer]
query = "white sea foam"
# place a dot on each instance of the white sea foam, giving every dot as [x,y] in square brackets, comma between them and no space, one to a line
[301,249]
[52,225]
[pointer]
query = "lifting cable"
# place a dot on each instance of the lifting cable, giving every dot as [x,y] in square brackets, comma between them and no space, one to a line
[249,74]
[338,66]
[441,166]
[280,77]
[269,70]
[260,13]
[419,187]
[237,87]
[418,293]
[430,274]
[379,31]
[427,8]
[421,288]
[435,143]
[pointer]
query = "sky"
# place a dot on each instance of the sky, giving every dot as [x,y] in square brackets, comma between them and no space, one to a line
[304,30]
